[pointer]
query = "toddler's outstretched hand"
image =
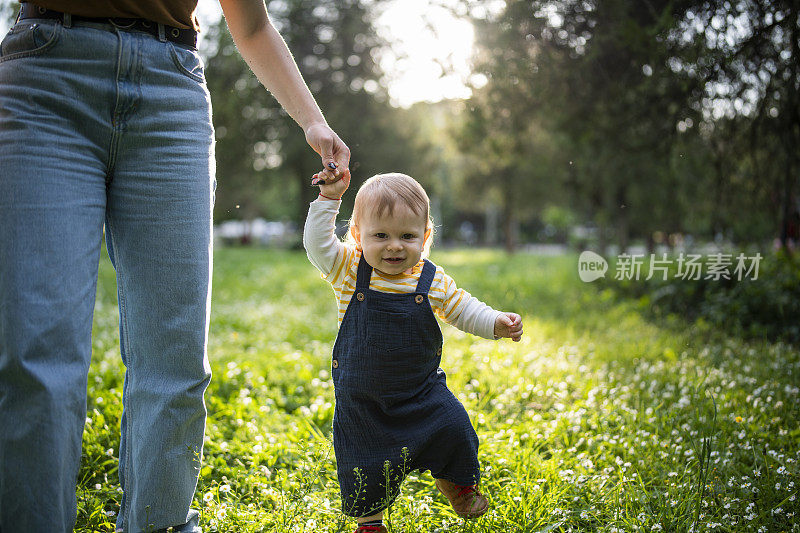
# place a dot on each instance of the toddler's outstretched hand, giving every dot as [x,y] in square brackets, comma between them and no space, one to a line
[508,325]
[331,190]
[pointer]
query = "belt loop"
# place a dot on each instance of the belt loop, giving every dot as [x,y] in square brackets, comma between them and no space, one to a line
[162,33]
[67,20]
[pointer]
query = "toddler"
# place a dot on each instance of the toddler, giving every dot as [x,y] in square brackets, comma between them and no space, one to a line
[394,412]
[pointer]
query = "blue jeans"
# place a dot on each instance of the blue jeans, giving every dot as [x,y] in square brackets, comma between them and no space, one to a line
[102,127]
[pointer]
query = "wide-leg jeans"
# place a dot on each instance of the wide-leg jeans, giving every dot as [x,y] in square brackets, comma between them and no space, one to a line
[102,127]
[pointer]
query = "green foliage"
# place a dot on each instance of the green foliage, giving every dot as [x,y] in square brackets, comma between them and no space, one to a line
[666,116]
[670,116]
[599,420]
[514,159]
[766,308]
[264,164]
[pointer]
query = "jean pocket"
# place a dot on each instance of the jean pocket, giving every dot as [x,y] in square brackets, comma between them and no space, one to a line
[188,62]
[28,39]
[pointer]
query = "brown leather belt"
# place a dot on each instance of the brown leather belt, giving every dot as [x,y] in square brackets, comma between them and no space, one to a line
[181,36]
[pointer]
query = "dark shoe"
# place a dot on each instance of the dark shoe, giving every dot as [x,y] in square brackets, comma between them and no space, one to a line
[467,500]
[372,529]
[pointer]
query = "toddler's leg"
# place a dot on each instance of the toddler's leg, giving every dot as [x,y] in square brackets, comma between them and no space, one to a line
[459,472]
[371,524]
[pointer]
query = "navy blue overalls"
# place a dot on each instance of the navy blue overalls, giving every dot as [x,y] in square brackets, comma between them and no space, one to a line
[394,412]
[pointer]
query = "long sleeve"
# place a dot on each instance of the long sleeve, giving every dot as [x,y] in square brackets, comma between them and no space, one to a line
[338,264]
[460,309]
[319,236]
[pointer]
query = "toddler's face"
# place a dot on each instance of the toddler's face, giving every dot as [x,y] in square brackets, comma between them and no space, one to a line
[392,244]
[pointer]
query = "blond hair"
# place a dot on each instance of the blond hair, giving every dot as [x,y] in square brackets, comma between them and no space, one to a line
[381,193]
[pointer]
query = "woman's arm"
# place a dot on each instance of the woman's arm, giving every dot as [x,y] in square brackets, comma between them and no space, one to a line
[265,51]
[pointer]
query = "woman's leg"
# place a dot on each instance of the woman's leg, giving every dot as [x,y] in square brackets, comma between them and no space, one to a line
[52,204]
[158,231]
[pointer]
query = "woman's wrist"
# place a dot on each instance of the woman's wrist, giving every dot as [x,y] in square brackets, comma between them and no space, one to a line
[317,120]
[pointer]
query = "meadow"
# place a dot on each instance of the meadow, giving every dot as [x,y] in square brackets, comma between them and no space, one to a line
[599,420]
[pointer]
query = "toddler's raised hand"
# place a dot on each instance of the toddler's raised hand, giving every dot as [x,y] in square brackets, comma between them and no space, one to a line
[333,190]
[508,325]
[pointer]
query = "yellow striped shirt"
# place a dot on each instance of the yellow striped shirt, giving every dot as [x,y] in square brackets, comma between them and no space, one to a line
[453,305]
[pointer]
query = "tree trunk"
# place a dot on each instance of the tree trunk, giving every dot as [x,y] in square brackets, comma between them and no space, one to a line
[602,241]
[509,229]
[786,207]
[717,225]
[622,220]
[596,207]
[789,206]
[509,220]
[490,231]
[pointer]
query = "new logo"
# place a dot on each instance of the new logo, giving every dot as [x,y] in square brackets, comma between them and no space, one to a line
[591,266]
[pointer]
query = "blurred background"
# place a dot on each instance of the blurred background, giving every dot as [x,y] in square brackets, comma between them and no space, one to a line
[593,124]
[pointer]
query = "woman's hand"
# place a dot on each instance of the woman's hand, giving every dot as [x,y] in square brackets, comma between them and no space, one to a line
[508,325]
[334,190]
[335,154]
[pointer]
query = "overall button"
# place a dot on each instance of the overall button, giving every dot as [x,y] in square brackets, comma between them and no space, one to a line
[418,298]
[360,296]
[439,351]
[335,363]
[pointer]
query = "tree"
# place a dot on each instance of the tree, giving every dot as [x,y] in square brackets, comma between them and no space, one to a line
[750,67]
[621,106]
[645,105]
[511,156]
[575,90]
[264,163]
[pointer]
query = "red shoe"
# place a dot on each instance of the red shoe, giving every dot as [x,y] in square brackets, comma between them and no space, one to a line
[372,529]
[467,500]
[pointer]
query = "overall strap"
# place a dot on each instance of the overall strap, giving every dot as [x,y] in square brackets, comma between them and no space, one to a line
[426,277]
[364,273]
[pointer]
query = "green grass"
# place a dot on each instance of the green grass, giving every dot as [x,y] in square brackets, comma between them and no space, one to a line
[599,420]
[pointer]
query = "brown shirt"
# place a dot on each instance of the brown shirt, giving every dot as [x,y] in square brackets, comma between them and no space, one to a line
[180,13]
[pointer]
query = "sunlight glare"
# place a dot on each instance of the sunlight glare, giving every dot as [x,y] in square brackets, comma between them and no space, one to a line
[430,49]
